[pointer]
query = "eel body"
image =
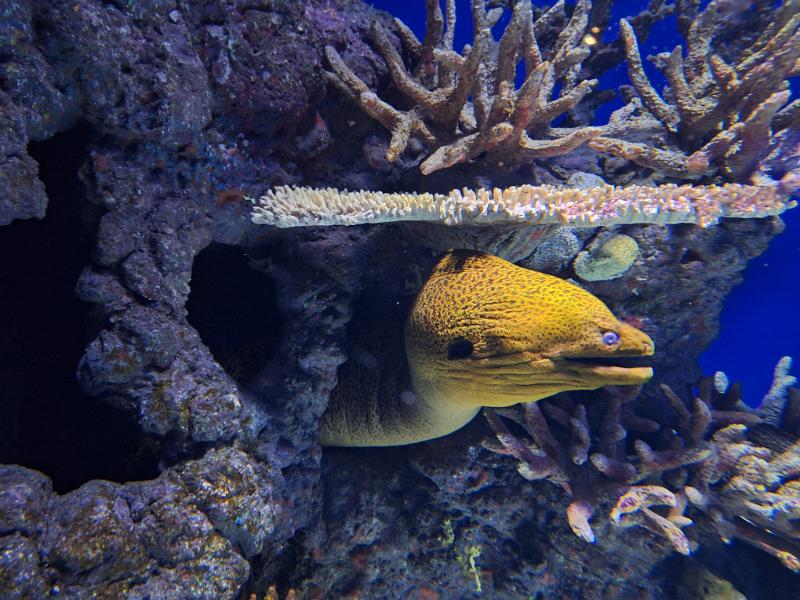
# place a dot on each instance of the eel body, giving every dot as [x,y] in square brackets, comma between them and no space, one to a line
[482,332]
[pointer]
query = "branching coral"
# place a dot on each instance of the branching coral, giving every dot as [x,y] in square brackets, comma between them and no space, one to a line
[716,458]
[606,55]
[750,487]
[463,105]
[782,381]
[757,498]
[726,107]
[717,113]
[633,508]
[559,450]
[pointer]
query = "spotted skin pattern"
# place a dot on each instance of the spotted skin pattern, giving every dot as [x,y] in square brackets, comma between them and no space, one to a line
[485,332]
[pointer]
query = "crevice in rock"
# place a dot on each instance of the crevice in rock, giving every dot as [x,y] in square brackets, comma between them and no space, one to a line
[234,308]
[46,421]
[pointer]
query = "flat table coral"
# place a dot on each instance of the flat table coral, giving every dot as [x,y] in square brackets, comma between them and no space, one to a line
[526,204]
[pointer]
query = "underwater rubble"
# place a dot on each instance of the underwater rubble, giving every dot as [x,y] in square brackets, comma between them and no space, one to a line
[179,111]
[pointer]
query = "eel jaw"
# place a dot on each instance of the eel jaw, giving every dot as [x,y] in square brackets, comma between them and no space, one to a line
[601,374]
[620,368]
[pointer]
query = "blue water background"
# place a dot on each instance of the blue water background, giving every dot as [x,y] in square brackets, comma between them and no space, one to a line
[761,318]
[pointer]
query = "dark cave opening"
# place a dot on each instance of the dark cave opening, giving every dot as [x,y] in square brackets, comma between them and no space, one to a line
[47,422]
[234,308]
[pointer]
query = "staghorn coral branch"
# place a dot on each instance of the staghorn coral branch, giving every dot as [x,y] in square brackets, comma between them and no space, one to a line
[633,508]
[612,468]
[658,461]
[549,18]
[558,146]
[694,112]
[566,103]
[442,102]
[578,514]
[609,55]
[568,53]
[533,205]
[772,404]
[701,419]
[611,431]
[536,426]
[509,49]
[790,421]
[773,38]
[465,148]
[702,31]
[650,97]
[678,407]
[789,116]
[787,553]
[434,25]
[666,161]
[532,465]
[723,418]
[556,413]
[412,44]
[401,124]
[581,438]
[511,444]
[632,421]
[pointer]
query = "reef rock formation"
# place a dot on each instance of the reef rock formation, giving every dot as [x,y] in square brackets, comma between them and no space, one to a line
[187,533]
[216,341]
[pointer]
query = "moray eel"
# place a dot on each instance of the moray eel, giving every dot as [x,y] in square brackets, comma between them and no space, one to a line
[482,332]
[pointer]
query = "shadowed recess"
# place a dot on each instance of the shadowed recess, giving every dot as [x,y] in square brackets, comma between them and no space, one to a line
[233,307]
[46,421]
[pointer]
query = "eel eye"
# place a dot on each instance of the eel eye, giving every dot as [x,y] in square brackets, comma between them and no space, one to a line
[610,338]
[459,348]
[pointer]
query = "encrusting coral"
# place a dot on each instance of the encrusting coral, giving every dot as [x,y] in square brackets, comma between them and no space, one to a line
[610,260]
[719,113]
[716,459]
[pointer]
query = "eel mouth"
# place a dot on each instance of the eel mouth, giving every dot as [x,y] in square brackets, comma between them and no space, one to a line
[612,370]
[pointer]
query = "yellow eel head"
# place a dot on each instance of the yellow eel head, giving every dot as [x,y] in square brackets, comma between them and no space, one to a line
[485,332]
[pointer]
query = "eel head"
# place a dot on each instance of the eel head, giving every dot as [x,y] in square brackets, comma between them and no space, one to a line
[485,332]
